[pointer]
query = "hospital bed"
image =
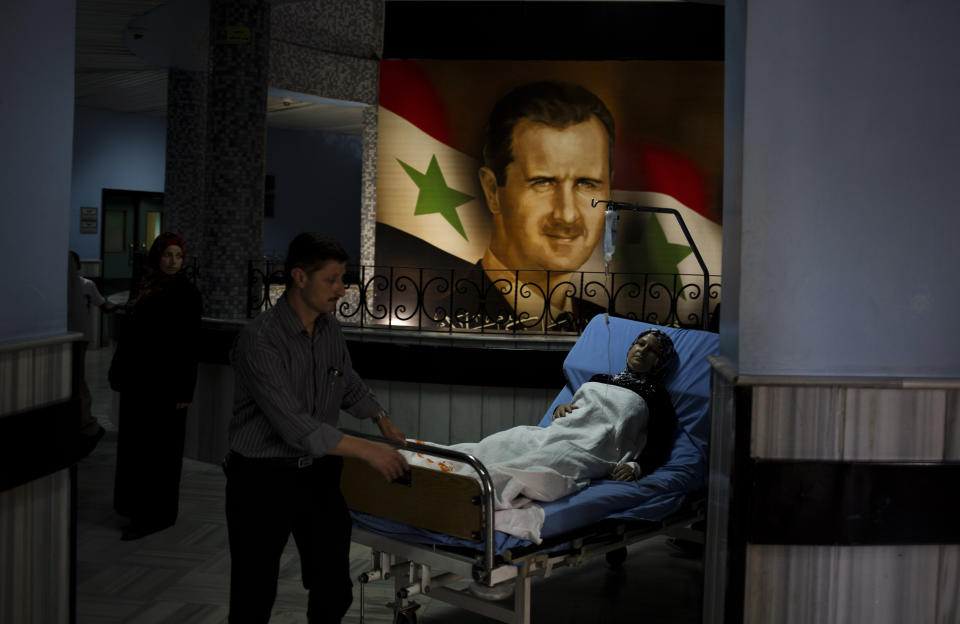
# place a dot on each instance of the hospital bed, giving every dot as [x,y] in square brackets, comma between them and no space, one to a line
[432,528]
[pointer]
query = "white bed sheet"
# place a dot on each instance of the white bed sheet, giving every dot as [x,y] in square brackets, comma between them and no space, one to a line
[602,348]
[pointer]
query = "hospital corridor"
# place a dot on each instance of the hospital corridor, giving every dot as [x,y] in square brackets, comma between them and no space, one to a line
[181,575]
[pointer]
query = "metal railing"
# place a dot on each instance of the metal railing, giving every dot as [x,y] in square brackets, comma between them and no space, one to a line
[467,301]
[623,206]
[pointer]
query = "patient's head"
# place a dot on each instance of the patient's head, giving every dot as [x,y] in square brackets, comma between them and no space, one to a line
[652,353]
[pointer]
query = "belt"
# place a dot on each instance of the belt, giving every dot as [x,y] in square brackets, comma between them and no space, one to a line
[234,457]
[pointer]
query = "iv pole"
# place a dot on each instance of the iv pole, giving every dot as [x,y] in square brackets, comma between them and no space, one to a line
[618,206]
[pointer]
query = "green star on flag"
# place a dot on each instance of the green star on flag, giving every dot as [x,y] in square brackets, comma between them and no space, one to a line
[653,254]
[435,195]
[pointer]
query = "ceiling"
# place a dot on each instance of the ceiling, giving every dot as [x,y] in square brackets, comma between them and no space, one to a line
[110,76]
[173,32]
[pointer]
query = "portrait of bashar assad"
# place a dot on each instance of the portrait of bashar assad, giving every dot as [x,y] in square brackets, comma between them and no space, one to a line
[547,155]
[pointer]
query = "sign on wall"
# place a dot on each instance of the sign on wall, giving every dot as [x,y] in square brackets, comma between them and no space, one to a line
[88,219]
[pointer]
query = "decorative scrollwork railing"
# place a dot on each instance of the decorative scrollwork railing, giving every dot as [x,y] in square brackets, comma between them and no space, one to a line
[468,301]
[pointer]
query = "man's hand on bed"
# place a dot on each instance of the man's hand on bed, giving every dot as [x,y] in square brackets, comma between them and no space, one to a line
[390,431]
[564,409]
[624,472]
[382,457]
[386,460]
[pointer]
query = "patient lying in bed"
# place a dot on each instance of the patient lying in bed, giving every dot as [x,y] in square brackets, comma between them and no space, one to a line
[616,426]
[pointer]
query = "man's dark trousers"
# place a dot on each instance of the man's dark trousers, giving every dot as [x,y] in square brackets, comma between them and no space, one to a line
[266,501]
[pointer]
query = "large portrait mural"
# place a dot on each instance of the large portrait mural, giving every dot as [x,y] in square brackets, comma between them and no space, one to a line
[487,172]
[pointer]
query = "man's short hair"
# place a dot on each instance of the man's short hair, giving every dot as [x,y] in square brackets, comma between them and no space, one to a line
[556,104]
[309,251]
[75,259]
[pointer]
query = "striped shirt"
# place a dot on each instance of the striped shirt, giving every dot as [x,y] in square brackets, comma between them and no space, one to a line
[290,386]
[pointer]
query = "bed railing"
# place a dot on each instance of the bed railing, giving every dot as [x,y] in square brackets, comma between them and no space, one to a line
[466,301]
[486,488]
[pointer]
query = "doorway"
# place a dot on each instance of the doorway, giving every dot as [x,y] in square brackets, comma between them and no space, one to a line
[131,221]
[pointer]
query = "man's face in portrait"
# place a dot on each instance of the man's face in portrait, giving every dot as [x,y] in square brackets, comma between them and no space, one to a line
[542,214]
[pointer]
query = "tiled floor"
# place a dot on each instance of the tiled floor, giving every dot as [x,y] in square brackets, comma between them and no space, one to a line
[181,575]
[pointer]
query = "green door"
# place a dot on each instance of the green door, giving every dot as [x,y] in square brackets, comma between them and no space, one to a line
[131,220]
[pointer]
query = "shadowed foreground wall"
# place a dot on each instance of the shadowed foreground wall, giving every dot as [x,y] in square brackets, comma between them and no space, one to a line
[841,356]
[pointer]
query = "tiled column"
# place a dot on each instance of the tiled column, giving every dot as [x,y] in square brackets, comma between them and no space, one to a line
[330,49]
[236,151]
[368,215]
[185,181]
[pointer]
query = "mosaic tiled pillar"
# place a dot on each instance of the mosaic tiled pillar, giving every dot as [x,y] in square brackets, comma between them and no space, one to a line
[368,197]
[331,49]
[185,181]
[236,152]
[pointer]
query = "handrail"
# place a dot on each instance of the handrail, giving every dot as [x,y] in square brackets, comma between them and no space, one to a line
[486,485]
[449,300]
[612,205]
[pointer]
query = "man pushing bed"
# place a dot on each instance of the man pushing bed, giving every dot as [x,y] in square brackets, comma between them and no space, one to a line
[293,376]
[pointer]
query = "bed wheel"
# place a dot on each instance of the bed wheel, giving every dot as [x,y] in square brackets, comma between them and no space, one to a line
[405,613]
[406,617]
[615,558]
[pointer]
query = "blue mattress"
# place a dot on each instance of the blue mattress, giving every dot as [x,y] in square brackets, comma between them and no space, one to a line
[602,348]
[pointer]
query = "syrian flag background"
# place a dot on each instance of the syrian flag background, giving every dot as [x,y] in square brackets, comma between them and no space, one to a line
[668,153]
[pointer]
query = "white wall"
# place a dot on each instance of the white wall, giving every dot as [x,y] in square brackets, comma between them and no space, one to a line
[318,188]
[112,150]
[317,174]
[733,86]
[36,113]
[849,222]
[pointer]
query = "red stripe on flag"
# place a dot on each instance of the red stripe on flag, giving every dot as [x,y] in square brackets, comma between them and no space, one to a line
[642,167]
[407,91]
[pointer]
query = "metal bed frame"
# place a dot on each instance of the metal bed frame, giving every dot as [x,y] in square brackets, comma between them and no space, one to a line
[428,569]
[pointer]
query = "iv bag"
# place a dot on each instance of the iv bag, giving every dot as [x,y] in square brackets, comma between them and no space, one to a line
[609,234]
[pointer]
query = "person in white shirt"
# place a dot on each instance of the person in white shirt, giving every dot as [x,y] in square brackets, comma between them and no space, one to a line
[83,303]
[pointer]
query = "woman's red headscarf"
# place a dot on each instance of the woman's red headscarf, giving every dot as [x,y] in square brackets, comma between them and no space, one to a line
[154,279]
[160,245]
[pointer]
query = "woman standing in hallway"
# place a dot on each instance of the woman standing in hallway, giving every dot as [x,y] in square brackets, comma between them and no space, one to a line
[155,377]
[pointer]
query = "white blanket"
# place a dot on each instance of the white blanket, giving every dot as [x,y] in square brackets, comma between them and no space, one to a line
[529,463]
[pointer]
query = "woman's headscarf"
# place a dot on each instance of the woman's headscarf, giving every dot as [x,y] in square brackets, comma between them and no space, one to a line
[154,280]
[666,359]
[667,354]
[651,386]
[160,245]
